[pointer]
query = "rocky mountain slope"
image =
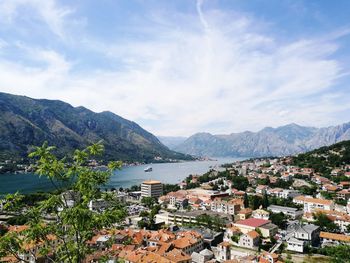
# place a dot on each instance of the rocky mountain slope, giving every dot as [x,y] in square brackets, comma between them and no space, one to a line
[171,141]
[285,140]
[25,122]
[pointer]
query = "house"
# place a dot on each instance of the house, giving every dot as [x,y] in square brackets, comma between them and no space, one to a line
[329,188]
[230,232]
[250,224]
[289,193]
[202,257]
[227,206]
[98,205]
[224,251]
[2,204]
[267,257]
[288,211]
[300,235]
[244,213]
[343,194]
[178,199]
[343,222]
[310,204]
[260,213]
[189,244]
[308,232]
[296,245]
[333,239]
[344,185]
[320,180]
[261,189]
[275,192]
[267,229]
[249,240]
[286,177]
[337,172]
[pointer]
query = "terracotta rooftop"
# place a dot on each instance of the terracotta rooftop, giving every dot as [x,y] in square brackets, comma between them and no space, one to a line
[225,244]
[253,222]
[253,234]
[338,237]
[313,200]
[151,182]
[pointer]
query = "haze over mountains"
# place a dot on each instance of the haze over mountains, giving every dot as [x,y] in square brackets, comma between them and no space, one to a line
[25,122]
[285,140]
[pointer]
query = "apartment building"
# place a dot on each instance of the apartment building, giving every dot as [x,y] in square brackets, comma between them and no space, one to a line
[310,204]
[151,188]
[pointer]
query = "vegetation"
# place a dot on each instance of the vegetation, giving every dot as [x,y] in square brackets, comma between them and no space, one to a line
[325,158]
[279,219]
[212,222]
[148,217]
[26,122]
[167,188]
[338,254]
[74,223]
[325,223]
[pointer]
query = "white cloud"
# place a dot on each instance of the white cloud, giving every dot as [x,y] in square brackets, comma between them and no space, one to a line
[48,11]
[185,78]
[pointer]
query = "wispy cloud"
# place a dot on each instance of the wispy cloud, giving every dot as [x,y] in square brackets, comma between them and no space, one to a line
[48,11]
[212,70]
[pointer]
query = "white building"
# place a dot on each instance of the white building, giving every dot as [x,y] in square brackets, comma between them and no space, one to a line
[310,204]
[151,188]
[288,211]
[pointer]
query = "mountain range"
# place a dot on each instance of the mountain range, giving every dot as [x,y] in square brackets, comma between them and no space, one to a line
[285,140]
[27,122]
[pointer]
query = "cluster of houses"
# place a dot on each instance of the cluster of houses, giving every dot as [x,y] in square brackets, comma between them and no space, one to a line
[244,231]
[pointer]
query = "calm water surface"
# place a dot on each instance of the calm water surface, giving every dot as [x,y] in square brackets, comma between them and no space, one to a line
[165,172]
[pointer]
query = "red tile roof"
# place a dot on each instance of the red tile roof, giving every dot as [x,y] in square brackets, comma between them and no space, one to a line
[253,222]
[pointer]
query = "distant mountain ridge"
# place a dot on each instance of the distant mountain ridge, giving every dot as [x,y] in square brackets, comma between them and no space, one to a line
[25,122]
[285,140]
[171,141]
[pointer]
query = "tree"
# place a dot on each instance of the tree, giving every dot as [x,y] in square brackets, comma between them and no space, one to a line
[240,182]
[74,222]
[279,219]
[246,200]
[255,201]
[338,254]
[326,224]
[265,201]
[149,202]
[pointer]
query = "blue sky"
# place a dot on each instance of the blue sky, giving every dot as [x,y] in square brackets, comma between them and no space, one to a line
[180,67]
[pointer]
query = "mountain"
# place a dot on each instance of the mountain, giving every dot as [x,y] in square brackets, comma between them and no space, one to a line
[285,140]
[326,158]
[170,141]
[25,122]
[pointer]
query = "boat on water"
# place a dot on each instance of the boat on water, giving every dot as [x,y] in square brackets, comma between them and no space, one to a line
[148,169]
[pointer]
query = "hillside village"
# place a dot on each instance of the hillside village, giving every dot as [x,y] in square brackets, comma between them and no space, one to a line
[288,209]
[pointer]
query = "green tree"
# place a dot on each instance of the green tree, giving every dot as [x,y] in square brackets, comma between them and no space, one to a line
[246,200]
[326,224]
[149,202]
[74,223]
[255,201]
[279,219]
[338,254]
[240,182]
[265,201]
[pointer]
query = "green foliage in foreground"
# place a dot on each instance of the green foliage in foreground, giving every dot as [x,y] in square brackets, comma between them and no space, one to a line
[338,254]
[63,239]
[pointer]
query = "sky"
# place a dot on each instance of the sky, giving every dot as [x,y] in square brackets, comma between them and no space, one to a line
[183,66]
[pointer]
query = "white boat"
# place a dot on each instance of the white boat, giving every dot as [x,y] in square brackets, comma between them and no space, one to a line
[148,169]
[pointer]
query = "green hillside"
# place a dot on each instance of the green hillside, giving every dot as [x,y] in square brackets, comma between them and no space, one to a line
[25,122]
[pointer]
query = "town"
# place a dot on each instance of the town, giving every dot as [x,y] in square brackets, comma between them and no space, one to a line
[257,210]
